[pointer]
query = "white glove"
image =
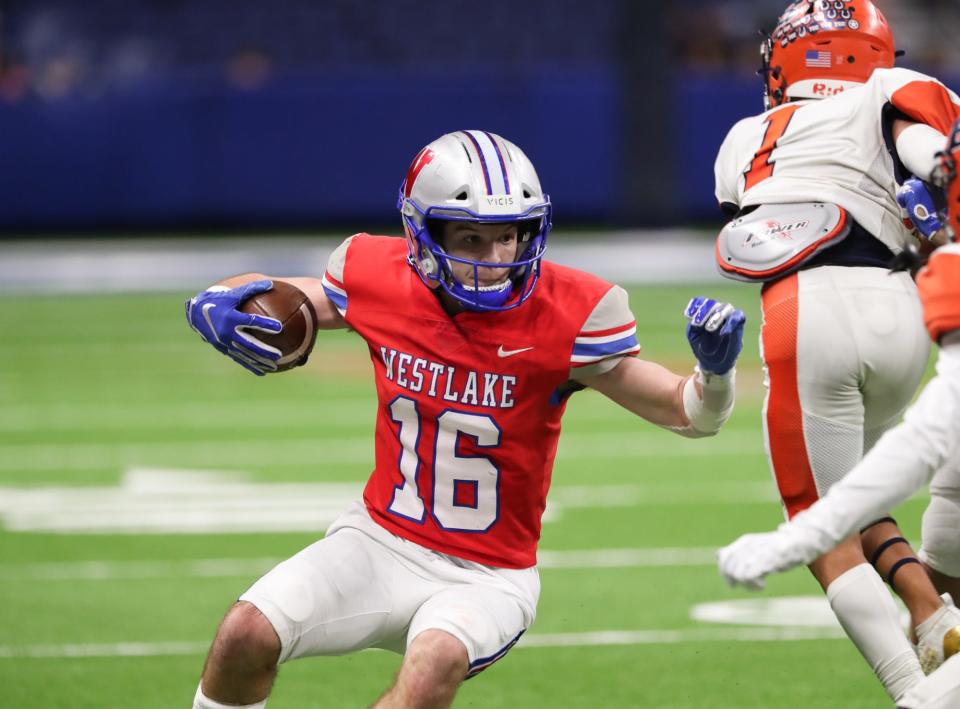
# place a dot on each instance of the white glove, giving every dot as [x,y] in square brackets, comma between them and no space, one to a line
[750,558]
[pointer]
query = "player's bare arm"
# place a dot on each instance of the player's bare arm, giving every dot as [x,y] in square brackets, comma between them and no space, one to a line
[694,406]
[646,388]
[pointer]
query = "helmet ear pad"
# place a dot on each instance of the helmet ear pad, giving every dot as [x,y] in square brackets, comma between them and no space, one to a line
[531,243]
[428,264]
[432,267]
[420,253]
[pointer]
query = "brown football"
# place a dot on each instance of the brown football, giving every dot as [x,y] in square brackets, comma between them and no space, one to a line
[293,309]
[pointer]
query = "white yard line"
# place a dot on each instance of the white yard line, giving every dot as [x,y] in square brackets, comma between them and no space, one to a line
[542,640]
[627,558]
[196,415]
[124,649]
[673,637]
[135,570]
[171,501]
[221,568]
[25,457]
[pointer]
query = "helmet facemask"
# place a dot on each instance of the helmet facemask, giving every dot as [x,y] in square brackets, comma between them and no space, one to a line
[774,87]
[435,266]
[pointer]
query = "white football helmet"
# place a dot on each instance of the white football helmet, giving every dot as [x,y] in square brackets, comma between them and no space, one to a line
[475,176]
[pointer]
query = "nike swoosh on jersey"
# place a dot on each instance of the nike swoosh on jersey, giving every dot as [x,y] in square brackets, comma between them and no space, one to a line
[510,353]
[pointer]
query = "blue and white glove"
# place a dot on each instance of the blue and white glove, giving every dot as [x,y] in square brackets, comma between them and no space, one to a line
[914,197]
[715,332]
[214,314]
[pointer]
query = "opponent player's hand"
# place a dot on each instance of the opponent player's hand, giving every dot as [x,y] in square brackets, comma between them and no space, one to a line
[752,557]
[921,213]
[715,332]
[214,314]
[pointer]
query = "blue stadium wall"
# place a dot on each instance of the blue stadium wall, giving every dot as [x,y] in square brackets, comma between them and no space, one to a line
[313,150]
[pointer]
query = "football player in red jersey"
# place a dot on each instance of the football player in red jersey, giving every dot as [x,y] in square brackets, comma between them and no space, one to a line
[811,187]
[477,344]
[922,450]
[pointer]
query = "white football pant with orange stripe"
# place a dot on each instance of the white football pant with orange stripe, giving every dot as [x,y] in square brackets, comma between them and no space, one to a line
[844,349]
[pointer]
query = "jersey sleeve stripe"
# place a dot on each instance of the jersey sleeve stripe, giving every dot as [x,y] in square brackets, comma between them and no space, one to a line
[582,353]
[583,361]
[328,279]
[928,102]
[600,337]
[335,292]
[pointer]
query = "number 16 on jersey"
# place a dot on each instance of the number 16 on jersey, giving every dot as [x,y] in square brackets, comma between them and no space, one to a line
[466,489]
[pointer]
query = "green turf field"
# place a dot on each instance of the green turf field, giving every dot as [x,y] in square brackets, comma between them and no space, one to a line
[93,387]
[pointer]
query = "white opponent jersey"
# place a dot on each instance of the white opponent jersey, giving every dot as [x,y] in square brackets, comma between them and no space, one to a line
[833,150]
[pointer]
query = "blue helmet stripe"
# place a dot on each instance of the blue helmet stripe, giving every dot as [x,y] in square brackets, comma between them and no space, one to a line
[489,156]
[503,167]
[483,161]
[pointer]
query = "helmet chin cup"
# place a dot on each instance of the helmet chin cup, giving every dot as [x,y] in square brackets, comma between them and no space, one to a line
[482,299]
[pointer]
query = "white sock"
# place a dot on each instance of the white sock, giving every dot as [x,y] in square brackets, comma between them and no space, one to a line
[869,616]
[202,701]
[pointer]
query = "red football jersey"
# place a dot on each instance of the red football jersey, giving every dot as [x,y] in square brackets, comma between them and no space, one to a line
[470,404]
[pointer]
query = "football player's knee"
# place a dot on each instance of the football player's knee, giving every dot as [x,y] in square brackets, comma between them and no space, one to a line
[440,656]
[941,543]
[246,638]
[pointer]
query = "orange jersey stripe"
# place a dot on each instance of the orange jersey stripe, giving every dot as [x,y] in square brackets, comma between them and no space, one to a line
[939,286]
[927,102]
[788,450]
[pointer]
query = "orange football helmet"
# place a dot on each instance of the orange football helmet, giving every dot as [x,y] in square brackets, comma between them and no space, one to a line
[821,47]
